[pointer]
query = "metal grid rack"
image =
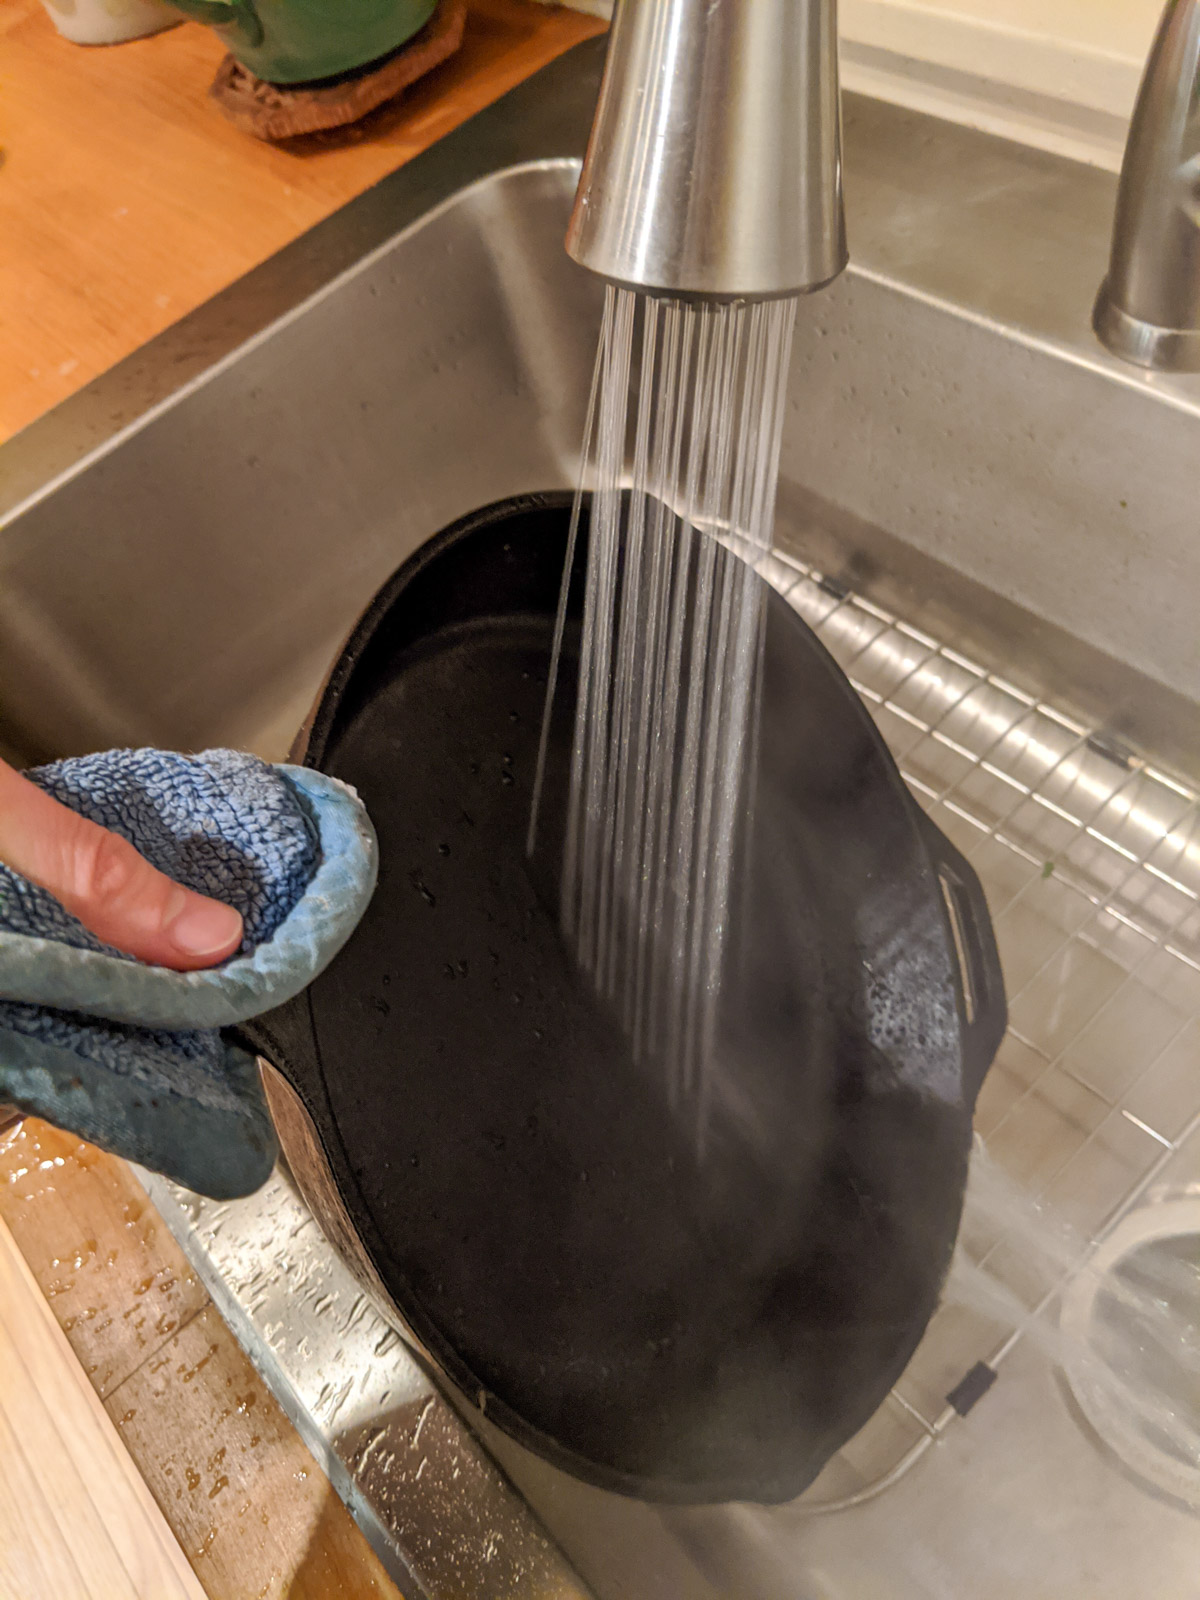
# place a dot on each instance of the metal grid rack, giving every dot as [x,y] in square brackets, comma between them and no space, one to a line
[1090,859]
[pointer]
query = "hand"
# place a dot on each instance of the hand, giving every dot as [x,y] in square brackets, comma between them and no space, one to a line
[102,880]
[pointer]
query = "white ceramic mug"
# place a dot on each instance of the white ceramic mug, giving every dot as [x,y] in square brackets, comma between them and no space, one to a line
[109,21]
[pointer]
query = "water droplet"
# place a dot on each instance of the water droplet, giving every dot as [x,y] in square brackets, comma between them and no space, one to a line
[422,888]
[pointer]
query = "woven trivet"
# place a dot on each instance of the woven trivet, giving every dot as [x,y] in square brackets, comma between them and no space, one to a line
[280,111]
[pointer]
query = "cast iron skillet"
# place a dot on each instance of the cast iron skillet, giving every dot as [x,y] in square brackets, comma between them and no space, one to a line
[680,1329]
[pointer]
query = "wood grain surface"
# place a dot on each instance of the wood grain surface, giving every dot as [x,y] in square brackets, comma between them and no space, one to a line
[255,1516]
[247,1502]
[126,198]
[116,1280]
[76,1520]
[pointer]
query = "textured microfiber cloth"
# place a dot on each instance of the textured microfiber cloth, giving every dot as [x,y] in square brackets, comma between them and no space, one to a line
[129,1055]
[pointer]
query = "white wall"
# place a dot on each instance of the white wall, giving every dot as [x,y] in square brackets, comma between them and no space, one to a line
[1061,74]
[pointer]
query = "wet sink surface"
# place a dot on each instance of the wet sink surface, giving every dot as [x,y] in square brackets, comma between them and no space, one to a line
[993,527]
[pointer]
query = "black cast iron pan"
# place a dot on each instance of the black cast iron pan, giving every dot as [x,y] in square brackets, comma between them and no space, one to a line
[678,1328]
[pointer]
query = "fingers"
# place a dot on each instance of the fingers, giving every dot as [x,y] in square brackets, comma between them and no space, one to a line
[108,885]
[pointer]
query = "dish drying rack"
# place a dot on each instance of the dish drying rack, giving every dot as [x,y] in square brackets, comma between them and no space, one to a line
[1090,858]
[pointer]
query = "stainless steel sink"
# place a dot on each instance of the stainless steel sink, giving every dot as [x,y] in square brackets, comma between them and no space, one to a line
[993,524]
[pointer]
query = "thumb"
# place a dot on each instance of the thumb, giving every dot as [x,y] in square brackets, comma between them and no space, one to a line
[113,890]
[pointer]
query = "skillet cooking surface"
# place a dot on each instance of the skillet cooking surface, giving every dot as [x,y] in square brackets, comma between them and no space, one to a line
[686,1329]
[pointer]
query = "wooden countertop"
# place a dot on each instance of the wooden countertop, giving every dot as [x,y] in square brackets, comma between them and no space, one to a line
[235,1487]
[126,199]
[75,1517]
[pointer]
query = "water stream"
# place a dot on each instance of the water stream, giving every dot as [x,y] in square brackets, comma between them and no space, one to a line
[682,458]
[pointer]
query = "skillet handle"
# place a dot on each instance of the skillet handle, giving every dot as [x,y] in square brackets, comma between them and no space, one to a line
[985,1011]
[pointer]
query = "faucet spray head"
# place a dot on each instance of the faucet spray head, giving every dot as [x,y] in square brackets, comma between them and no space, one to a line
[714,166]
[1148,311]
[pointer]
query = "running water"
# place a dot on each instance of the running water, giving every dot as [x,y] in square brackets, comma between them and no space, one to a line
[682,453]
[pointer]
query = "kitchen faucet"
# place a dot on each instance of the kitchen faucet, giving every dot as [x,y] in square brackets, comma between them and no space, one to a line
[714,165]
[1148,311]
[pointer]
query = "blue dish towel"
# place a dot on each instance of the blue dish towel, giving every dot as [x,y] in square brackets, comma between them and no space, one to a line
[131,1056]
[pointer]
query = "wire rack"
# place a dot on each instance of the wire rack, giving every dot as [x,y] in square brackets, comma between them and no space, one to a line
[1090,859]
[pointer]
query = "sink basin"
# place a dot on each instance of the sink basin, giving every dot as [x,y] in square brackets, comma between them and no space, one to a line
[991,522]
